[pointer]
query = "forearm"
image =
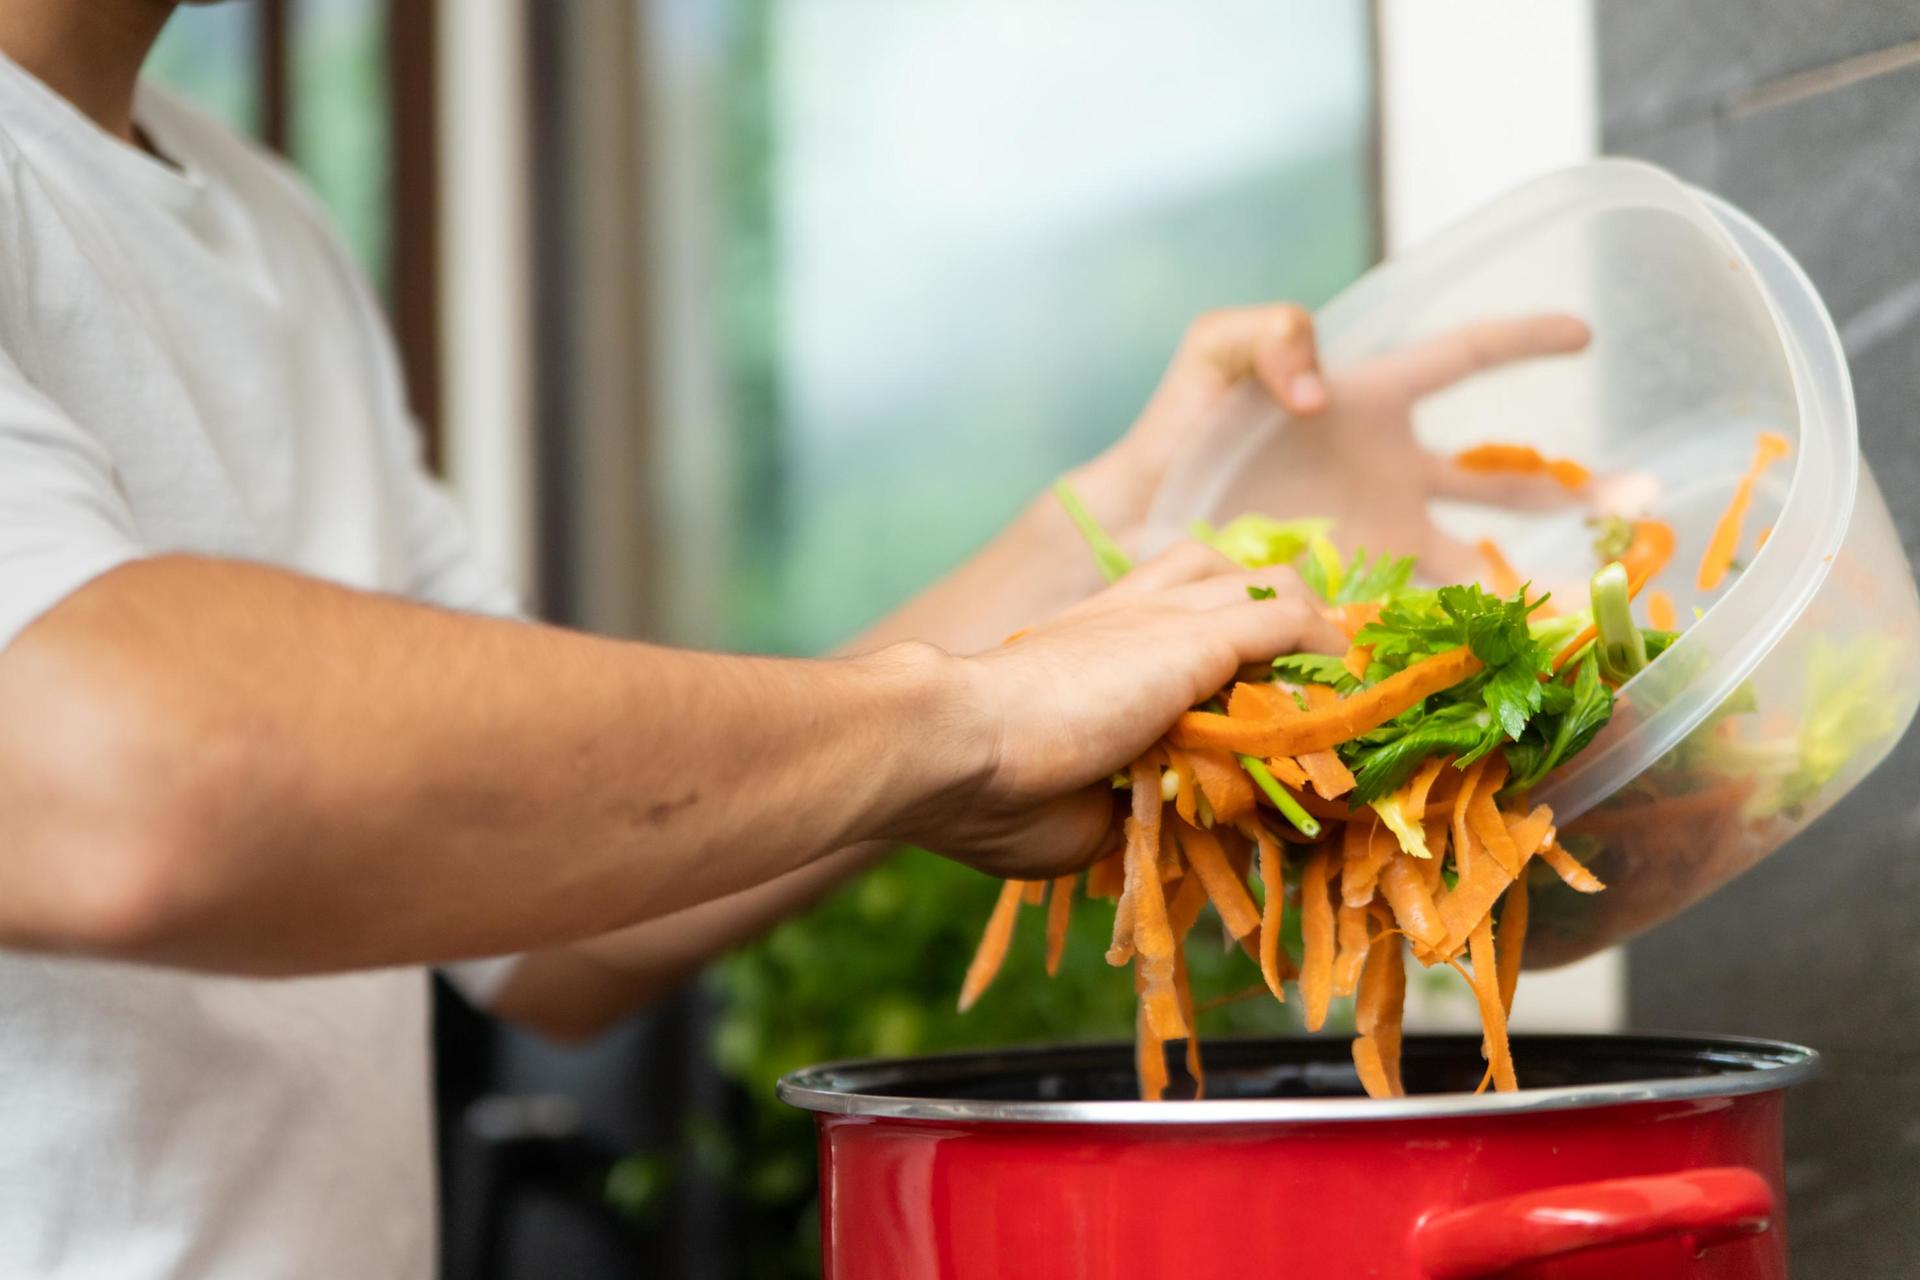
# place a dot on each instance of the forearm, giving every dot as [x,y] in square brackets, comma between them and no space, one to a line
[1032,569]
[229,767]
[576,991]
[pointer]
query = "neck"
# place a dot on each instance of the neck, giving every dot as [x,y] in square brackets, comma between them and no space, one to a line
[88,51]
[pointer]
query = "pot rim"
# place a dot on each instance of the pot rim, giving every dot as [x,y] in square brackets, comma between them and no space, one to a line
[841,1088]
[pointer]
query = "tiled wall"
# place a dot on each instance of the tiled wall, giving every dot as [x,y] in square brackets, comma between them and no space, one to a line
[1806,113]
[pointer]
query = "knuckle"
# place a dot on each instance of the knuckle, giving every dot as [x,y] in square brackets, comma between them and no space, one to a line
[1208,325]
[1291,320]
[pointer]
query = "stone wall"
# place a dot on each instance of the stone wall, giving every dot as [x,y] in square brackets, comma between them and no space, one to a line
[1806,113]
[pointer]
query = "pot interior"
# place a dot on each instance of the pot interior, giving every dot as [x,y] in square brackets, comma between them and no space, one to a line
[1554,1070]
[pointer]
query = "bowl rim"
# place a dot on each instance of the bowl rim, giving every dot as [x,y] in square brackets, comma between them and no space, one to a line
[844,1088]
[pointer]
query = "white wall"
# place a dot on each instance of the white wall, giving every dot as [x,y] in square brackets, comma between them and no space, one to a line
[1477,95]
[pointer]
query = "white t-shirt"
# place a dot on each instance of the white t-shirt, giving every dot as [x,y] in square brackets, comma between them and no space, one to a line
[188,362]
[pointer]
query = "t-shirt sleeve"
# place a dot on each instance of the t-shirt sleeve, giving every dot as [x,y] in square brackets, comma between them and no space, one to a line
[443,568]
[63,518]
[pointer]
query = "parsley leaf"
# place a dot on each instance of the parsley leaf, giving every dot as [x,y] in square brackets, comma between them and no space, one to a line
[1358,581]
[1513,694]
[1320,569]
[1587,713]
[1363,583]
[1458,729]
[1495,629]
[1408,628]
[1315,668]
[1261,593]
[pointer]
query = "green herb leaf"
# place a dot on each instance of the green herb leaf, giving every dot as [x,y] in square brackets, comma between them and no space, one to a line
[1261,593]
[1315,668]
[1321,568]
[1411,626]
[1456,729]
[1590,709]
[1364,583]
[1114,563]
[1514,694]
[1255,541]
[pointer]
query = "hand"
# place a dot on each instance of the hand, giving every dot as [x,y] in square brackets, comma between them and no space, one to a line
[1072,702]
[1347,424]
[1353,457]
[1271,344]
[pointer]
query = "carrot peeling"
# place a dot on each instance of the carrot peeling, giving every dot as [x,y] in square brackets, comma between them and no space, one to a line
[1350,925]
[1228,790]
[1405,890]
[1769,448]
[1512,941]
[1317,939]
[1227,891]
[1059,912]
[992,951]
[1570,870]
[1493,1016]
[1319,729]
[1273,883]
[1328,774]
[1522,459]
[1660,611]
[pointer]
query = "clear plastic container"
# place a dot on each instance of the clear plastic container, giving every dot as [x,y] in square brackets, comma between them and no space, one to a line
[1797,676]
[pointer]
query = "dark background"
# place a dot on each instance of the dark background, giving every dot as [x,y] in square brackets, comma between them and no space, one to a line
[1806,114]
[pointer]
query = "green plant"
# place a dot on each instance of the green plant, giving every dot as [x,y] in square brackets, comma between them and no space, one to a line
[874,971]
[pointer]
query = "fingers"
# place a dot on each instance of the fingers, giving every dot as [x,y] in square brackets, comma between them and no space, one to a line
[1237,587]
[1260,630]
[1209,583]
[1062,835]
[1440,362]
[1185,561]
[1273,343]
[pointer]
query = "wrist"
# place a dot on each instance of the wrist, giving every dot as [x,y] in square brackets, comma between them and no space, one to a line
[941,743]
[1115,492]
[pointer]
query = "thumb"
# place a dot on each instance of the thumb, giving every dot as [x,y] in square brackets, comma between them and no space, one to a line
[1274,344]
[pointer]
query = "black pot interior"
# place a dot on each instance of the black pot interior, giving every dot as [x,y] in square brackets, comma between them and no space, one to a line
[1302,1068]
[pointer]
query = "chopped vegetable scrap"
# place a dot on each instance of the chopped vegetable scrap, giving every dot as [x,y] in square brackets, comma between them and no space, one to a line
[1770,448]
[1522,459]
[1378,798]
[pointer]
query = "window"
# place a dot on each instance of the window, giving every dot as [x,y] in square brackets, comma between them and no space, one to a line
[335,98]
[962,240]
[209,54]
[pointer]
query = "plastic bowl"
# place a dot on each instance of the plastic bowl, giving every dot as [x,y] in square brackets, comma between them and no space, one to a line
[1789,684]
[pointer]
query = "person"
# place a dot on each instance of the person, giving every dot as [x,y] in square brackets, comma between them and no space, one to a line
[272,743]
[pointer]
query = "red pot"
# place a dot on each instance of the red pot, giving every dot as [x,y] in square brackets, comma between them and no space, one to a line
[1648,1157]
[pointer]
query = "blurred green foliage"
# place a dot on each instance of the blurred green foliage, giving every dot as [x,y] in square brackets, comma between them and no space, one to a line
[875,970]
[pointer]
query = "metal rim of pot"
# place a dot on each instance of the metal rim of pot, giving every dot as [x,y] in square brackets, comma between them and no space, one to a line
[843,1088]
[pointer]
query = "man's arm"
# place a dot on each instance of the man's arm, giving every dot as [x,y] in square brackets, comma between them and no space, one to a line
[574,992]
[224,766]
[1035,567]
